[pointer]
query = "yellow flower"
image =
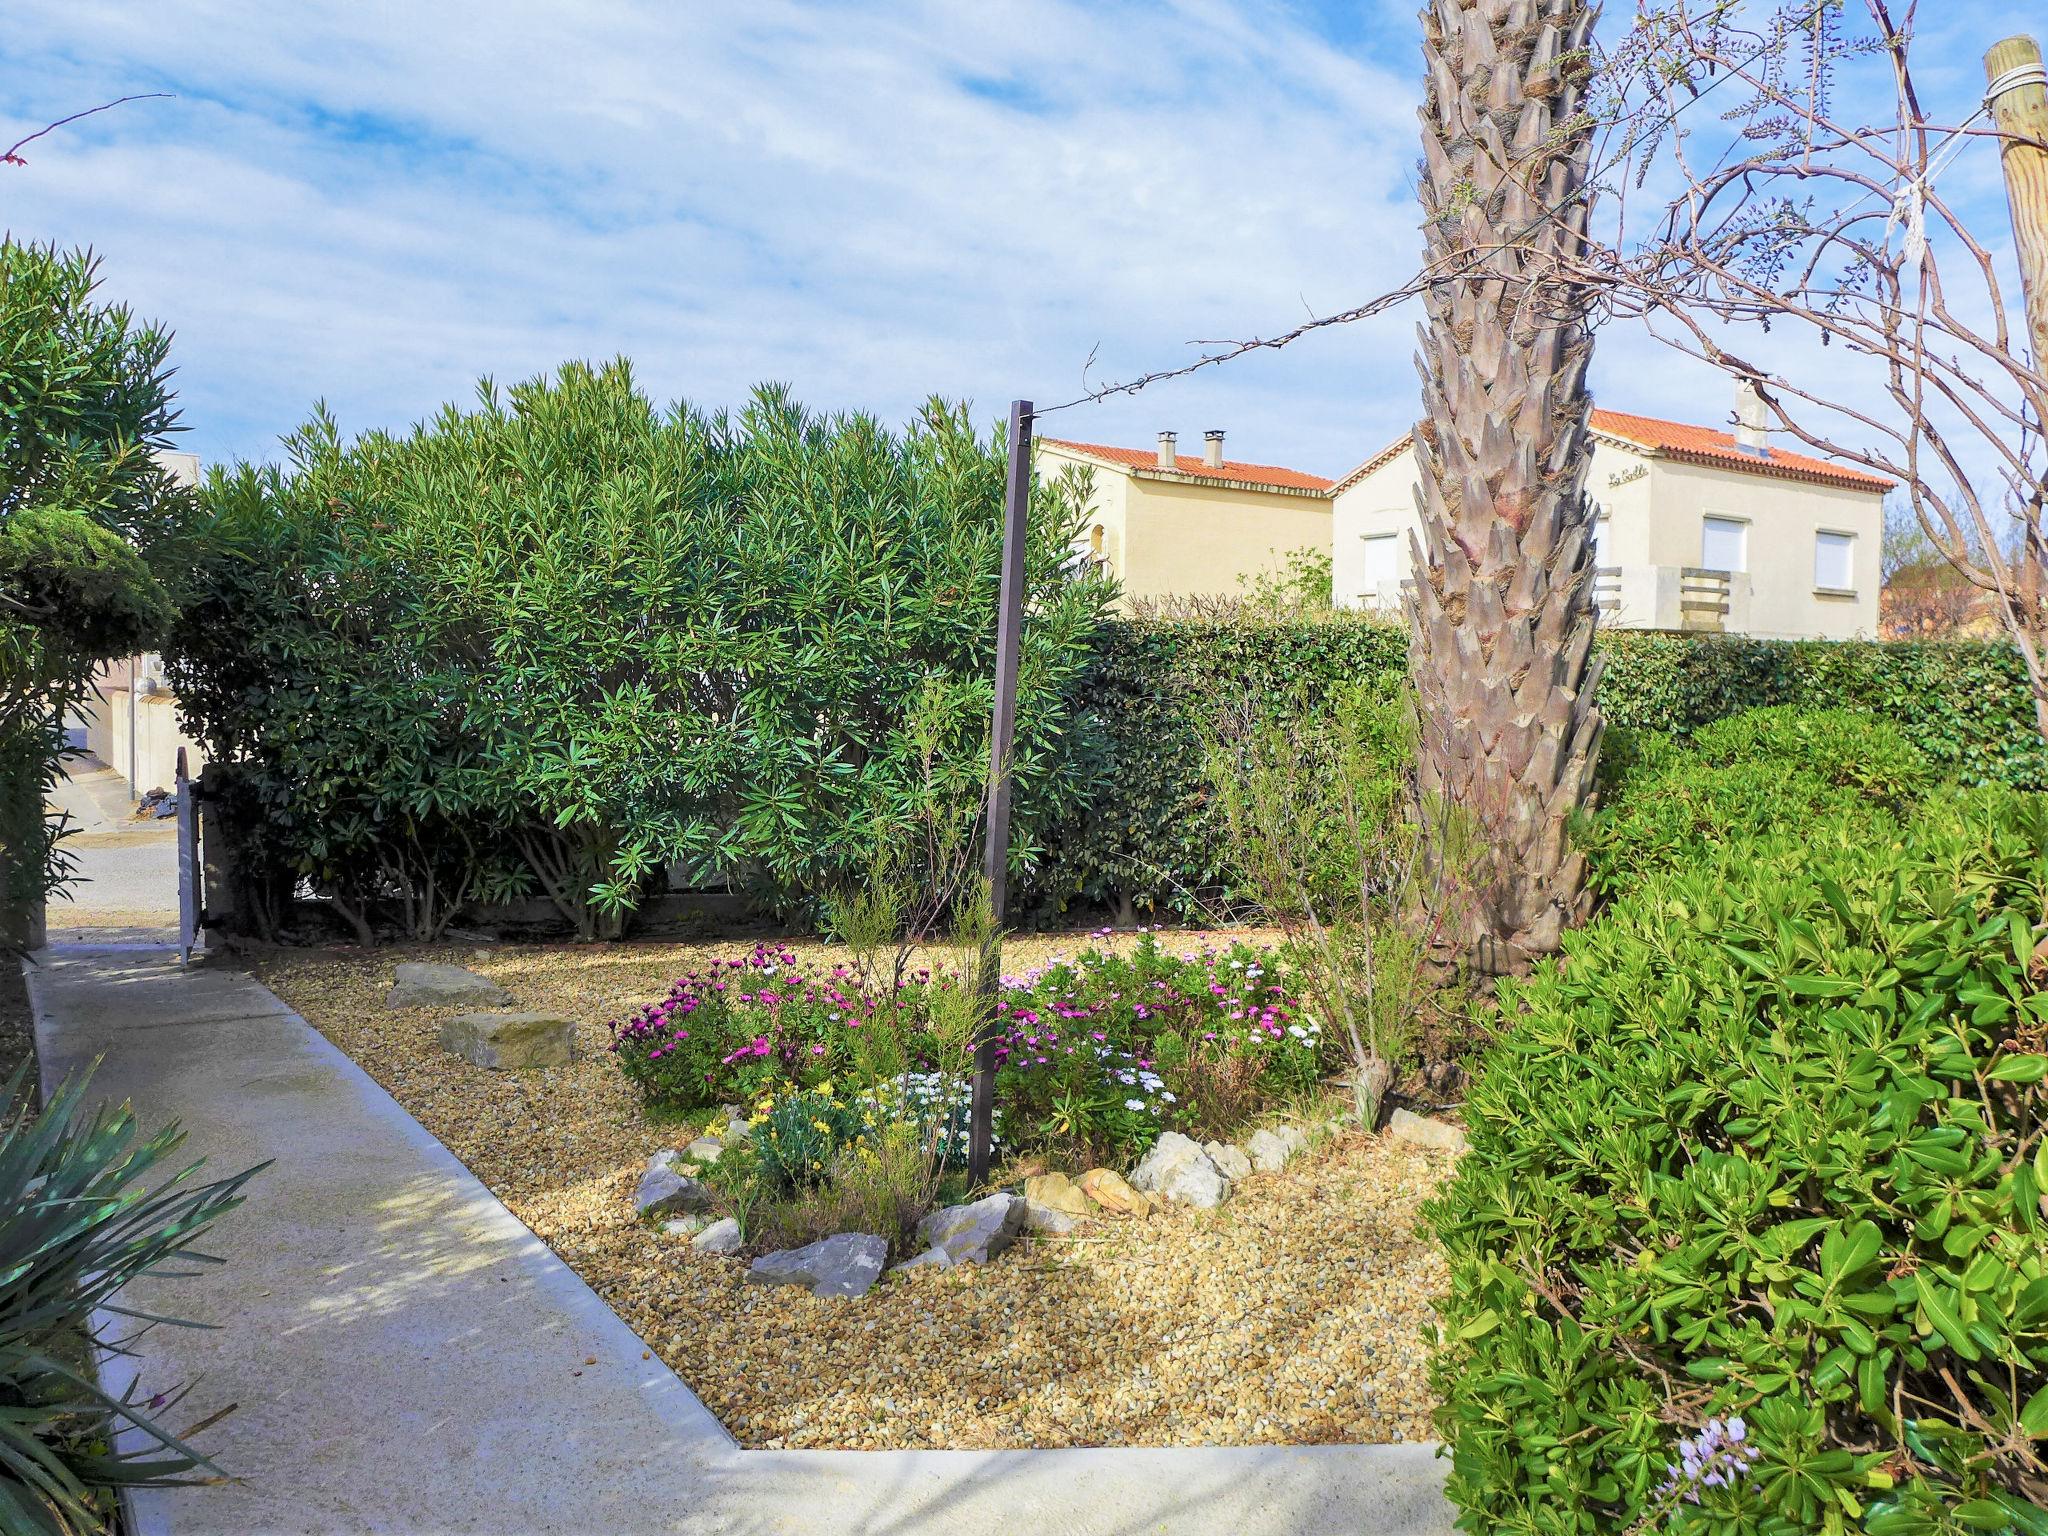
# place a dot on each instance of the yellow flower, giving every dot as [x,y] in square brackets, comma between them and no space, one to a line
[821,1126]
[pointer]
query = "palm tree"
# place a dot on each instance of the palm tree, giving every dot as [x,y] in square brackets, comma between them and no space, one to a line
[1501,616]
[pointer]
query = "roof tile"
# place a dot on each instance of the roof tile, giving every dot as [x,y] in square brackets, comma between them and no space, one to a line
[1190,464]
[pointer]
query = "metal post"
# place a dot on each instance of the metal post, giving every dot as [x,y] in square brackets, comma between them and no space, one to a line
[996,849]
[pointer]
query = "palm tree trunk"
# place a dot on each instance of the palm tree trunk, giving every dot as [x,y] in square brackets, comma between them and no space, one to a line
[1501,617]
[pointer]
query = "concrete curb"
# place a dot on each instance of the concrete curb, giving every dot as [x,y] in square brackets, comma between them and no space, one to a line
[370,1245]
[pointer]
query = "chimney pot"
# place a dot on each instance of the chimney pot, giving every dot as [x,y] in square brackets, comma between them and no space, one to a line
[1212,447]
[1167,460]
[1750,433]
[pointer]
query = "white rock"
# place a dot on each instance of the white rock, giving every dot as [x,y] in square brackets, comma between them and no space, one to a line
[933,1257]
[705,1149]
[1049,1220]
[662,1189]
[1178,1170]
[1268,1151]
[1441,1135]
[685,1226]
[722,1236]
[1230,1162]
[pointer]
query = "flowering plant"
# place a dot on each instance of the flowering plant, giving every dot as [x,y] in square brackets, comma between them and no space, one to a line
[1098,1050]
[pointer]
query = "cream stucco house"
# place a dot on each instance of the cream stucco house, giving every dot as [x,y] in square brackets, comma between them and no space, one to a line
[1169,524]
[1696,529]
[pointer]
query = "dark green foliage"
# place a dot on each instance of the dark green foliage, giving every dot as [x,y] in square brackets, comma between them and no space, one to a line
[569,640]
[85,1207]
[1151,835]
[1670,803]
[1766,1143]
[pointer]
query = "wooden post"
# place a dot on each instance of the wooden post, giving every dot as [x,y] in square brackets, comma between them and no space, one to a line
[2020,112]
[996,847]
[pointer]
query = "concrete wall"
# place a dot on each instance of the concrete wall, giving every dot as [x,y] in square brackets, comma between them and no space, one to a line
[1652,510]
[1176,535]
[157,734]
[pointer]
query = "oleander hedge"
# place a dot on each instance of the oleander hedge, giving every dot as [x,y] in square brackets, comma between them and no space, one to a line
[1149,837]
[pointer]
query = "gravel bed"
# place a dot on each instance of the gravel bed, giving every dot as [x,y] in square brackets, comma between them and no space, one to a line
[1293,1314]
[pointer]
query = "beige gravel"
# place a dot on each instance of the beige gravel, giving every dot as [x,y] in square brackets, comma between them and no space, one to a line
[1291,1315]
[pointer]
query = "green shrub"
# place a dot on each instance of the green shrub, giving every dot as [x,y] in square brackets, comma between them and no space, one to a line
[1669,803]
[1150,836]
[568,636]
[1765,1146]
[82,1213]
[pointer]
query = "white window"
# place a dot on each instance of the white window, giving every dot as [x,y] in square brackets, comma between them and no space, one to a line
[1834,561]
[1602,539]
[1382,568]
[1723,542]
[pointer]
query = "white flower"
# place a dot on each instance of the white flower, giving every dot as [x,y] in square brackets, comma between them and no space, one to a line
[1297,1031]
[1167,1098]
[1134,1103]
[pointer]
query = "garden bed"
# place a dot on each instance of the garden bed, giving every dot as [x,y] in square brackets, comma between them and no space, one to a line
[1292,1314]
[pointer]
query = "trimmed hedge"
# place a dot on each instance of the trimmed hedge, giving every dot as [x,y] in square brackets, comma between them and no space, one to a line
[1150,836]
[1750,1235]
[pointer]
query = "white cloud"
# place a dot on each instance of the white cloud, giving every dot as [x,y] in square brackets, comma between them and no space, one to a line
[376,202]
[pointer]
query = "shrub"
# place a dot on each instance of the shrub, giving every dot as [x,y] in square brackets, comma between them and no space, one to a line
[78,1221]
[1670,803]
[1755,1185]
[1150,835]
[567,635]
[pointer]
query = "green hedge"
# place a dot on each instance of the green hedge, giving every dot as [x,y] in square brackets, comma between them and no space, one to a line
[1750,1235]
[1150,839]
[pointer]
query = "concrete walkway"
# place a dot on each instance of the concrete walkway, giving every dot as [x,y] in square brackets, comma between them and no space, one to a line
[405,1356]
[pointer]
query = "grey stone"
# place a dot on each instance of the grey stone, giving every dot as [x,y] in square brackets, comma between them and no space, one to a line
[1229,1161]
[933,1257]
[1441,1135]
[1293,1137]
[722,1236]
[1178,1170]
[705,1149]
[426,984]
[662,1189]
[510,1041]
[739,1130]
[686,1226]
[976,1233]
[1267,1151]
[1048,1220]
[845,1264]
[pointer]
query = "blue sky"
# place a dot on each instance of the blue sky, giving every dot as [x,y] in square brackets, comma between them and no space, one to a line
[376,201]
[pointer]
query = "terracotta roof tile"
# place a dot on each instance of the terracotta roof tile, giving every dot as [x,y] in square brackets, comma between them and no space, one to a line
[1192,464]
[1703,445]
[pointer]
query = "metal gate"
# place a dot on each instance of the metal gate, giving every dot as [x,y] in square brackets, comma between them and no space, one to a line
[188,864]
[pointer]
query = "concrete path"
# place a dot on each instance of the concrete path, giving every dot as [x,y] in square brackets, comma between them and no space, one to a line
[126,888]
[407,1357]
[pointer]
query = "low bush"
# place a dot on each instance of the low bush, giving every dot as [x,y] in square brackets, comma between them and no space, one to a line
[1750,1235]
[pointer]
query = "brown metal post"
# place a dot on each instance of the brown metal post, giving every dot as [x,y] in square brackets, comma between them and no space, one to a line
[996,848]
[2020,112]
